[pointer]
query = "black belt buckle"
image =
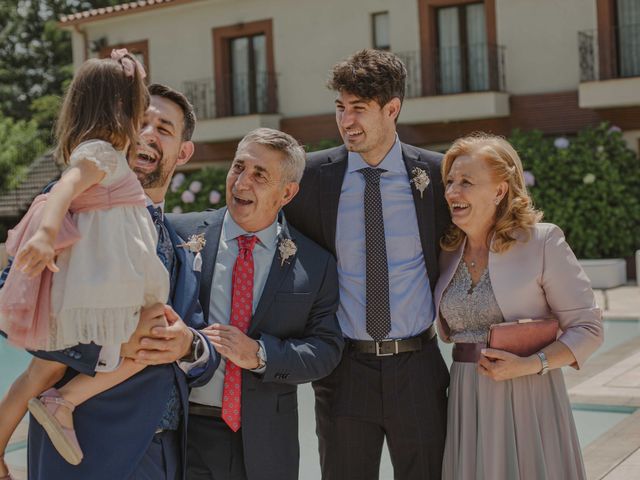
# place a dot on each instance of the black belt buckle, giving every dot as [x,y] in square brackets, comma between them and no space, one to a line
[379,352]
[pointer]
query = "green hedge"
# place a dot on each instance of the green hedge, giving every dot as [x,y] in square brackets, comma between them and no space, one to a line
[589,185]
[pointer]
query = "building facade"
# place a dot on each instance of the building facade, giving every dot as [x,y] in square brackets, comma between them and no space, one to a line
[491,65]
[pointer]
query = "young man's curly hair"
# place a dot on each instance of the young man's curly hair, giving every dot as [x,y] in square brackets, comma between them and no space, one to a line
[371,75]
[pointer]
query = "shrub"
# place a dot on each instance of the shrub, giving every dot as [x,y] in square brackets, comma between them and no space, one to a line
[196,191]
[589,185]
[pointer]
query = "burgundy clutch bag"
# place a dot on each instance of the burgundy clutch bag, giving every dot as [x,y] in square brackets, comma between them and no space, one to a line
[523,337]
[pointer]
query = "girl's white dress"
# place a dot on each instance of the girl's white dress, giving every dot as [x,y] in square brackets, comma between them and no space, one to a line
[112,271]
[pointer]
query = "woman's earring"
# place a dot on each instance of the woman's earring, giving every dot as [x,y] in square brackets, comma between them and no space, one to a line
[498,201]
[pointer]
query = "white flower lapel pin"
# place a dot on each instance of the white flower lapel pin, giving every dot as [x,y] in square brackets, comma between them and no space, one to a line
[420,180]
[195,244]
[287,249]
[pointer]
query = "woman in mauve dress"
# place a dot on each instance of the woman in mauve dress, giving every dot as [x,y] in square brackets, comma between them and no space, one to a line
[509,417]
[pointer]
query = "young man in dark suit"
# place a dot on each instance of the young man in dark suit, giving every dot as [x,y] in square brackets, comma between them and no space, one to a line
[137,430]
[269,295]
[378,205]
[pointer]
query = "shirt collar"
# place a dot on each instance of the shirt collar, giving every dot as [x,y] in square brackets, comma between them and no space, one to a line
[231,230]
[392,162]
[149,203]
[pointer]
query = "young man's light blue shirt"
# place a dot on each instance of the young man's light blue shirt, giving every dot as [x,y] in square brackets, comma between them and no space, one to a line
[412,309]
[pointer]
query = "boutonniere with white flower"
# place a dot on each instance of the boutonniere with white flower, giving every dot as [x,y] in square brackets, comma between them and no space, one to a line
[195,244]
[287,249]
[420,179]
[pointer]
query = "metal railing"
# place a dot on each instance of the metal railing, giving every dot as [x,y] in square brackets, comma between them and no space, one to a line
[469,68]
[201,95]
[615,55]
[250,93]
[460,69]
[241,94]
[413,85]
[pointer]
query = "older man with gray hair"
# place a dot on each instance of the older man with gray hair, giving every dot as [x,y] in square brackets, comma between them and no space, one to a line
[270,296]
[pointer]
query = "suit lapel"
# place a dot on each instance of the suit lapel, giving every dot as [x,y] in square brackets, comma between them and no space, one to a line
[277,273]
[424,204]
[212,228]
[179,259]
[330,188]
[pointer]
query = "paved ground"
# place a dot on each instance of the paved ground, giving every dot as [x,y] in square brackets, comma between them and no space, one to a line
[610,381]
[613,378]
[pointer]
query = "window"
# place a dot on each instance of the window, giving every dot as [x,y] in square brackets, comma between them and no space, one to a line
[459,50]
[380,28]
[463,53]
[628,37]
[244,72]
[140,50]
[249,77]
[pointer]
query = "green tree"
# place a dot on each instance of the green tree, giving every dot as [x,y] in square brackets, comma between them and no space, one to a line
[35,53]
[20,144]
[35,66]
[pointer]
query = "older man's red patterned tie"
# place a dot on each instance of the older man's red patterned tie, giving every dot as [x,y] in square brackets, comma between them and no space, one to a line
[241,310]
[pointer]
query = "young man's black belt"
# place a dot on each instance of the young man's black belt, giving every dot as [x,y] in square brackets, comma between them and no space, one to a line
[392,347]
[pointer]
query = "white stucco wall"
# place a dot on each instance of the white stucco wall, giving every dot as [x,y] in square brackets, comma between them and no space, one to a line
[540,36]
[541,40]
[309,37]
[632,137]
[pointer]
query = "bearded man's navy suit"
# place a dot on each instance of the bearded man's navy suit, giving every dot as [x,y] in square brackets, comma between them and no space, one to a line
[116,428]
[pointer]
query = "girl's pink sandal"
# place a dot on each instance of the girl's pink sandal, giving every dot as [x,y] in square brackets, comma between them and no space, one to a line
[43,409]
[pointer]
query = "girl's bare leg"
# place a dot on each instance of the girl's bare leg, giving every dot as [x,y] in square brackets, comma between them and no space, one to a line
[82,387]
[38,377]
[54,408]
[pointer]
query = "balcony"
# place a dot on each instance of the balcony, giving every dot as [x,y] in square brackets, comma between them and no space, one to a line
[455,83]
[240,104]
[609,68]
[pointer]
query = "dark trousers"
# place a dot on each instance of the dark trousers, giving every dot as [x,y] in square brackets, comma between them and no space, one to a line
[367,398]
[161,461]
[214,451]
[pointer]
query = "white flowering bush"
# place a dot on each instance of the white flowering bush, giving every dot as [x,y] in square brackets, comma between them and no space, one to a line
[197,191]
[589,185]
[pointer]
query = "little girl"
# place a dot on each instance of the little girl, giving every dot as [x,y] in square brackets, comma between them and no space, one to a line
[85,253]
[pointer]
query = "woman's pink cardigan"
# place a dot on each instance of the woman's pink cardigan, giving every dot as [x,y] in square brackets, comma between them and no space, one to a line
[537,278]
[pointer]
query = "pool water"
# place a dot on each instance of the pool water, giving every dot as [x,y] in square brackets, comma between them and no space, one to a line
[617,332]
[593,420]
[12,363]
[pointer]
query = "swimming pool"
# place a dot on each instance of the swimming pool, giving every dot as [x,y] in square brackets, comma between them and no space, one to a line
[12,362]
[618,331]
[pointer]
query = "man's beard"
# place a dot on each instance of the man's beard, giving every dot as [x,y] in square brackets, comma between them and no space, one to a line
[153,179]
[157,177]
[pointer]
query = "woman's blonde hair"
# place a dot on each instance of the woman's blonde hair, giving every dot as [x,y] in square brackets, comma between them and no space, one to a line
[515,212]
[101,102]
